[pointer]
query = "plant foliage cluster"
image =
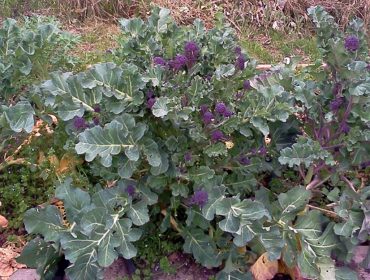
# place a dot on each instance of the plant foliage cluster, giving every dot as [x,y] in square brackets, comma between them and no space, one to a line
[190,133]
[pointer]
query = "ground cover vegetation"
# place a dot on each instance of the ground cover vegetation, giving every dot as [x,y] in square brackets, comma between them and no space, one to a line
[181,130]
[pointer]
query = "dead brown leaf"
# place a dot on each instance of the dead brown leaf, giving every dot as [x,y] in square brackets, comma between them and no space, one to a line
[67,163]
[8,264]
[264,269]
[3,222]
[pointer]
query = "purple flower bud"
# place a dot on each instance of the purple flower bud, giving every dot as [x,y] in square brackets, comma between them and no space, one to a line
[352,43]
[150,102]
[220,108]
[199,198]
[227,113]
[159,61]
[178,62]
[149,94]
[207,118]
[217,135]
[243,160]
[97,108]
[96,120]
[262,151]
[79,123]
[238,50]
[336,104]
[130,190]
[368,67]
[209,77]
[203,109]
[344,128]
[191,50]
[247,85]
[365,164]
[187,156]
[240,62]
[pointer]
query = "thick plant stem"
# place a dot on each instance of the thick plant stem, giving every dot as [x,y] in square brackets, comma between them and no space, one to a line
[327,212]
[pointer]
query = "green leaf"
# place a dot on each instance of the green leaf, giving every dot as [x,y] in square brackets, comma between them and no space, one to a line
[20,116]
[216,150]
[307,263]
[42,256]
[127,235]
[306,151]
[272,241]
[261,125]
[46,221]
[250,210]
[201,174]
[159,108]
[224,71]
[215,197]
[152,152]
[75,200]
[310,224]
[127,168]
[139,213]
[202,247]
[294,200]
[231,223]
[163,166]
[345,273]
[85,267]
[108,141]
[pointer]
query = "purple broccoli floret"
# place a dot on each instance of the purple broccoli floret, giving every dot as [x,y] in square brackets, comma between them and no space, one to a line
[199,198]
[203,108]
[191,50]
[344,128]
[178,62]
[217,135]
[227,113]
[262,151]
[150,102]
[352,43]
[243,160]
[220,108]
[247,85]
[96,120]
[238,50]
[365,164]
[159,61]
[187,156]
[207,118]
[240,62]
[149,94]
[131,190]
[79,123]
[97,108]
[336,104]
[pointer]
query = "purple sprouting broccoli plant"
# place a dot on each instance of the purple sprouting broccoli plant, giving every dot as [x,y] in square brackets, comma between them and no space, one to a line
[159,61]
[238,50]
[351,43]
[200,198]
[344,127]
[217,135]
[130,190]
[79,123]
[179,62]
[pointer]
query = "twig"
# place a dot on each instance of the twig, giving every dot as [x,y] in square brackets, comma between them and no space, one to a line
[9,162]
[327,212]
[348,182]
[173,222]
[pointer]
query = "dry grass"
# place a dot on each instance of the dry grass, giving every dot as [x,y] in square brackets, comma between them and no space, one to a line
[267,13]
